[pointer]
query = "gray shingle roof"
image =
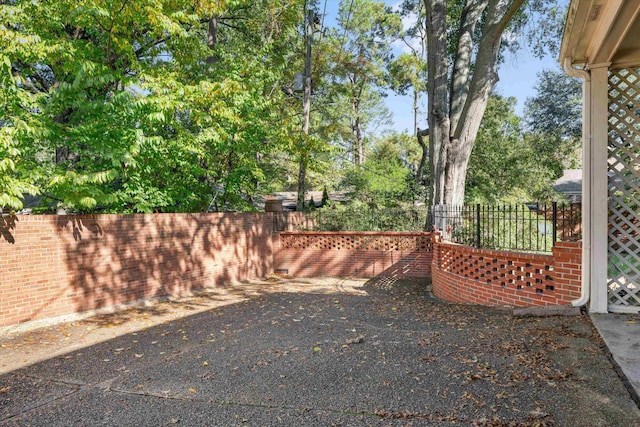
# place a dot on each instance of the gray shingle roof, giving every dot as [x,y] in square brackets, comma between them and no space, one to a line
[570,182]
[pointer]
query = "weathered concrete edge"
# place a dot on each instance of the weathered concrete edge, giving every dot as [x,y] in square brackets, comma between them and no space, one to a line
[619,365]
[549,310]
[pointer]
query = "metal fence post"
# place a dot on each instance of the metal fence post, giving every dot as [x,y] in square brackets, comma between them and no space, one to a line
[478,225]
[554,226]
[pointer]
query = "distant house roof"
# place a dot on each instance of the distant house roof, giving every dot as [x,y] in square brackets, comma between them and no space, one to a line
[570,182]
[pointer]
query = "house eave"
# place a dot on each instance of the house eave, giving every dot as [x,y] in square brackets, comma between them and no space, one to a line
[601,32]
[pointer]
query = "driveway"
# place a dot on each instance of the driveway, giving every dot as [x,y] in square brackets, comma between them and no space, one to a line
[317,353]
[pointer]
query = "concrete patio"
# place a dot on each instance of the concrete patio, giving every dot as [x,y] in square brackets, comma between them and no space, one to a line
[316,352]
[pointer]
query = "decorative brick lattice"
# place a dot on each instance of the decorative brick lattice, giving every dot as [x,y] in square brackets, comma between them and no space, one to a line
[533,273]
[365,241]
[624,190]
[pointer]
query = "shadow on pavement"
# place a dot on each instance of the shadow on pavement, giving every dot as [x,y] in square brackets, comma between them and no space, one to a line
[391,355]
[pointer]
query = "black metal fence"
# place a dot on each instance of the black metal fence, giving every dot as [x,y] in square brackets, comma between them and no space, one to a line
[531,227]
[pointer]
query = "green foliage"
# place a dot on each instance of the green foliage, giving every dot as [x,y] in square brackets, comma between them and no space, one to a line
[123,107]
[382,180]
[325,197]
[513,227]
[359,52]
[556,108]
[506,165]
[408,71]
[16,171]
[360,216]
[554,118]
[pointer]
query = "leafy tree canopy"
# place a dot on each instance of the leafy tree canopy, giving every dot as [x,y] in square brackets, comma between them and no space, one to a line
[137,106]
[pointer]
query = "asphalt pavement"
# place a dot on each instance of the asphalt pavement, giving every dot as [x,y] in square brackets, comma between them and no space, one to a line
[385,353]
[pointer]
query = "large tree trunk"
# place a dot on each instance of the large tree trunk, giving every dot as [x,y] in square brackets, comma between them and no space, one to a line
[468,92]
[438,105]
[461,74]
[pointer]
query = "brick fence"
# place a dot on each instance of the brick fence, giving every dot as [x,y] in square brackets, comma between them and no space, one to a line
[354,254]
[458,273]
[481,276]
[57,265]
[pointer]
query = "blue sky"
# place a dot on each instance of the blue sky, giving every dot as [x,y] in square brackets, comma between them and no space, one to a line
[517,77]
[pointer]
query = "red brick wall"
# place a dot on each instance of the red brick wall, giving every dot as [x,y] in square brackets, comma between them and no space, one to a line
[486,277]
[354,254]
[56,265]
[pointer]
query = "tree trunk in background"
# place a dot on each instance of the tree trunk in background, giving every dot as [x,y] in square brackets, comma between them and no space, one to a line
[438,105]
[306,112]
[456,106]
[358,150]
[415,113]
[420,134]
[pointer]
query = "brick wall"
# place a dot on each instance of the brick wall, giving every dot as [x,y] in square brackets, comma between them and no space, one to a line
[486,277]
[354,254]
[56,265]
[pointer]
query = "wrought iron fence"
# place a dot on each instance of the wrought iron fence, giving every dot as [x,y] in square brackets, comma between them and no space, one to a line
[531,227]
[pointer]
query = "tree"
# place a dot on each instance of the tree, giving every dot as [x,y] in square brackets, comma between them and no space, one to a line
[17,171]
[135,106]
[554,116]
[507,165]
[462,72]
[409,70]
[359,61]
[409,73]
[382,180]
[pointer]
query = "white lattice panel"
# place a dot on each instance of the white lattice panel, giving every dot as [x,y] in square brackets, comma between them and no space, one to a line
[624,191]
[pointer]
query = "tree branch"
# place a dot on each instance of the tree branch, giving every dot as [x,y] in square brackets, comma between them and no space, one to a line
[506,18]
[497,23]
[142,49]
[462,62]
[437,64]
[420,134]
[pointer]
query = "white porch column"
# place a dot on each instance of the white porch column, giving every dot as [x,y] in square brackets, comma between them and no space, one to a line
[595,204]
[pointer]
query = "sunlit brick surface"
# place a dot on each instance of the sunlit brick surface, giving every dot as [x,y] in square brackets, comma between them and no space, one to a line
[480,276]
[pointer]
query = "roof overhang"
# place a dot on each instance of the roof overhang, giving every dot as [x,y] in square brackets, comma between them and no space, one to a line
[599,32]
